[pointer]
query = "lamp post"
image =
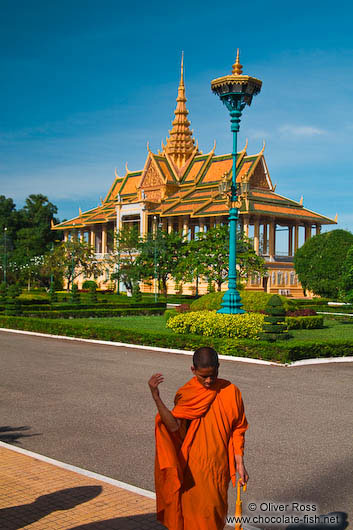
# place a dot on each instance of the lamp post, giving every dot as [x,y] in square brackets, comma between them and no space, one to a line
[235,91]
[157,227]
[5,254]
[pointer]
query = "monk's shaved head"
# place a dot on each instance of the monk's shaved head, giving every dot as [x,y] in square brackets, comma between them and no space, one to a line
[205,357]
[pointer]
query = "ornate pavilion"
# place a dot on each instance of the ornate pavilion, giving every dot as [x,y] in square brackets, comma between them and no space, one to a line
[179,188]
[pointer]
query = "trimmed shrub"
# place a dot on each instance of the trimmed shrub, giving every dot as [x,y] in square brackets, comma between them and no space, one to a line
[310,322]
[75,295]
[212,324]
[87,284]
[52,293]
[12,305]
[253,301]
[3,291]
[182,308]
[274,327]
[95,313]
[92,293]
[302,313]
[169,313]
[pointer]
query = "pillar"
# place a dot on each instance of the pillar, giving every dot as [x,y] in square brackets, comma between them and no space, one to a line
[170,225]
[143,223]
[296,237]
[307,231]
[256,236]
[92,239]
[104,239]
[185,227]
[164,224]
[66,235]
[180,225]
[290,240]
[264,239]
[272,241]
[318,229]
[246,226]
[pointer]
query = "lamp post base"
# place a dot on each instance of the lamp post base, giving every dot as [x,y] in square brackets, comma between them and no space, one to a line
[231,303]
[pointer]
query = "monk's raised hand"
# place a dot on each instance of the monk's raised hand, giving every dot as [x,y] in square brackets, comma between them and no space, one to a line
[153,383]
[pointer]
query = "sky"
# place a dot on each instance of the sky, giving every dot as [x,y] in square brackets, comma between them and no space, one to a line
[85,86]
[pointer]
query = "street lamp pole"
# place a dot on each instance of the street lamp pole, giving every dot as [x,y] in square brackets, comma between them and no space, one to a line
[155,259]
[5,254]
[235,91]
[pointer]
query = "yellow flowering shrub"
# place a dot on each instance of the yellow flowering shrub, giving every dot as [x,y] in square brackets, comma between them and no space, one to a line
[213,324]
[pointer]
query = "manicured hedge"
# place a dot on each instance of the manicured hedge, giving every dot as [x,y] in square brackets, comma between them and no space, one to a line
[288,351]
[311,322]
[97,306]
[97,313]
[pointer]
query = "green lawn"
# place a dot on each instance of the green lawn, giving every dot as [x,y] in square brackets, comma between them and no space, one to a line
[332,330]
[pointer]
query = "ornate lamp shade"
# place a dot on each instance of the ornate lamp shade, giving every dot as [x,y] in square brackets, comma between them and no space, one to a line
[243,87]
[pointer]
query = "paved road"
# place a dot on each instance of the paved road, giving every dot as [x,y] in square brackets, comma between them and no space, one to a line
[89,405]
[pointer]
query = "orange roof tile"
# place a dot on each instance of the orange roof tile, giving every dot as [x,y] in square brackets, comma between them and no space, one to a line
[165,170]
[194,170]
[131,184]
[245,167]
[287,211]
[217,170]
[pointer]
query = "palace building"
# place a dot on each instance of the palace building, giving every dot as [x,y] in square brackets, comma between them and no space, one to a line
[179,188]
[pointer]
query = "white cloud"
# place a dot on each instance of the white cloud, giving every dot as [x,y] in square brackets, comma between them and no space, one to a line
[301,130]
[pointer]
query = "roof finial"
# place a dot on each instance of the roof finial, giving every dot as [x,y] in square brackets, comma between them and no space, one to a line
[182,69]
[237,67]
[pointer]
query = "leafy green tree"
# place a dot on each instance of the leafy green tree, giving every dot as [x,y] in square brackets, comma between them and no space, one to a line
[161,254]
[71,259]
[319,262]
[346,287]
[124,258]
[208,256]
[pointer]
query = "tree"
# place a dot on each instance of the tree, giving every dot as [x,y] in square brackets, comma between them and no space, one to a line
[161,254]
[319,262]
[346,288]
[208,256]
[124,257]
[71,259]
[35,236]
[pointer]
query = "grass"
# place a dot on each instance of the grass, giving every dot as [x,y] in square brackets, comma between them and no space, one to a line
[332,330]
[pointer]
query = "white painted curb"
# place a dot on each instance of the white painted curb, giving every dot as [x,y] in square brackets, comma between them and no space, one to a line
[184,352]
[80,471]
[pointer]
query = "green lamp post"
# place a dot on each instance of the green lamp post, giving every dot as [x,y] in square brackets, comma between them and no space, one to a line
[235,91]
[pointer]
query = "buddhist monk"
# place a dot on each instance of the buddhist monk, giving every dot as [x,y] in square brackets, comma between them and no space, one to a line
[199,447]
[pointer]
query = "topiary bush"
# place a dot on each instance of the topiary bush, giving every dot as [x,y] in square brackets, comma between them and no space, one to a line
[12,305]
[212,324]
[88,283]
[307,322]
[92,297]
[274,327]
[75,295]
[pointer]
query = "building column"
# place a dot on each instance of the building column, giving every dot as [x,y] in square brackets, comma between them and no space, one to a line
[180,225]
[143,223]
[318,229]
[185,228]
[307,231]
[104,239]
[290,240]
[296,238]
[272,250]
[256,236]
[246,226]
[264,239]
[212,222]
[170,225]
[164,224]
[92,239]
[66,235]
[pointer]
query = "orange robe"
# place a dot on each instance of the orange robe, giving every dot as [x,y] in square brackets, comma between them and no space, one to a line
[194,465]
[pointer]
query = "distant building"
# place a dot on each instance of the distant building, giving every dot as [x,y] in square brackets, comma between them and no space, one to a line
[179,187]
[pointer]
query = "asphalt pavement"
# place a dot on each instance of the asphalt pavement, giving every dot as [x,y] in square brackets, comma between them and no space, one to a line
[89,405]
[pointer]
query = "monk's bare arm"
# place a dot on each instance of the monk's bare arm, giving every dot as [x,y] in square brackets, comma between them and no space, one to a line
[243,474]
[167,417]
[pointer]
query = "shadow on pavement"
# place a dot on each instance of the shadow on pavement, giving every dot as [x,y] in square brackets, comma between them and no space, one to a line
[15,517]
[132,522]
[12,435]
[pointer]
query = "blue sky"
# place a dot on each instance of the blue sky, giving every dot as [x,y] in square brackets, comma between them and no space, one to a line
[85,85]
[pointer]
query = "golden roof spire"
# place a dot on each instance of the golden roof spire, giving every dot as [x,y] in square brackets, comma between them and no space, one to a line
[180,144]
[237,67]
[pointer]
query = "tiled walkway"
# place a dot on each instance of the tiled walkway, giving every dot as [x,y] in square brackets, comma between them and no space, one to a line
[36,495]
